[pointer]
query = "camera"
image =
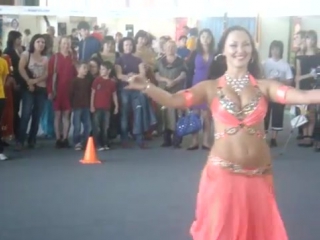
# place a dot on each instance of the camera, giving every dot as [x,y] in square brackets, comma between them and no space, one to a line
[317,73]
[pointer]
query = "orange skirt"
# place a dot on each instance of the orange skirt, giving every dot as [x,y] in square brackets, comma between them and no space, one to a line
[234,206]
[7,116]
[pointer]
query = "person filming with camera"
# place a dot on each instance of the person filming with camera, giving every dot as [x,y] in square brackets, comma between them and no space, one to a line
[306,79]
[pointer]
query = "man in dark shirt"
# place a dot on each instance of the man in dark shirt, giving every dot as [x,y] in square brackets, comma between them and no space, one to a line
[74,39]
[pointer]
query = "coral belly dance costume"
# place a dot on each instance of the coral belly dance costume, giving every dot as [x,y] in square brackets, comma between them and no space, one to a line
[235,203]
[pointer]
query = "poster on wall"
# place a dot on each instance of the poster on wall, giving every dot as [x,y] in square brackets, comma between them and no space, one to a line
[9,23]
[130,30]
[295,27]
[180,24]
[62,28]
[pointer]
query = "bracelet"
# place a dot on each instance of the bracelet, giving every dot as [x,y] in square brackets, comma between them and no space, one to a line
[147,86]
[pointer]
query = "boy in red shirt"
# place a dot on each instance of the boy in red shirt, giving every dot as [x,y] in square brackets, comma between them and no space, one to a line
[103,92]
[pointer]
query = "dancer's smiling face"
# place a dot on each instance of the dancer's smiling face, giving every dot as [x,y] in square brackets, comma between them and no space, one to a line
[238,49]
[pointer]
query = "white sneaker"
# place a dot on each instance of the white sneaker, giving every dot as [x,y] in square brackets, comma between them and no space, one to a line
[3,157]
[106,147]
[78,147]
[101,149]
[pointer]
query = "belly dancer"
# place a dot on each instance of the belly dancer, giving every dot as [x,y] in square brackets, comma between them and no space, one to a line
[236,199]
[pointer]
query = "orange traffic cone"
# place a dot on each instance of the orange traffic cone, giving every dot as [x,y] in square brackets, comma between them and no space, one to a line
[90,156]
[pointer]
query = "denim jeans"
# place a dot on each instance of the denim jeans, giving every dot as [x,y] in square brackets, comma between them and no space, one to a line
[143,116]
[47,119]
[81,116]
[101,121]
[32,107]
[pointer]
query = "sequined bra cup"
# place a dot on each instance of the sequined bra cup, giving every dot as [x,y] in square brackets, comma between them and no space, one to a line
[239,118]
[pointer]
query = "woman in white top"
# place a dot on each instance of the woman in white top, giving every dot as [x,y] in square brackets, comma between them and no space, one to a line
[33,69]
[277,69]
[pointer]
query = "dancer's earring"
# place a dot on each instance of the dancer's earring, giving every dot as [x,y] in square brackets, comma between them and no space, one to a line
[216,58]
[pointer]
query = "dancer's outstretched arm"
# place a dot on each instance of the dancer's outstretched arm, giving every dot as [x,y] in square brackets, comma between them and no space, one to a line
[281,93]
[183,99]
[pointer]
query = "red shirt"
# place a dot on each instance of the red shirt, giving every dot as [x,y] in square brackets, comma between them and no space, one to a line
[65,70]
[104,88]
[97,35]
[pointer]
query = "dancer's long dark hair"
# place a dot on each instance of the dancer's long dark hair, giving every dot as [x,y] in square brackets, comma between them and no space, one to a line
[219,66]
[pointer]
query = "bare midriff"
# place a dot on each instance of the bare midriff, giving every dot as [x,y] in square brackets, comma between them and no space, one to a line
[242,148]
[240,144]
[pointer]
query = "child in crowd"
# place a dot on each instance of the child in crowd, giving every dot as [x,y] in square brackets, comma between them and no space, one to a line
[182,50]
[103,92]
[80,90]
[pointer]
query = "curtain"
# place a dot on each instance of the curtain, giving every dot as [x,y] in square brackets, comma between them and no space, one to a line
[250,23]
[215,24]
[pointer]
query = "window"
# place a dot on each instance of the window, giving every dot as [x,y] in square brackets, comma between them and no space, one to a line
[7,2]
[31,3]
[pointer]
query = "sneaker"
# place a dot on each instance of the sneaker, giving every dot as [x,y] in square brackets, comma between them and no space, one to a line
[59,143]
[3,157]
[19,147]
[78,147]
[65,143]
[106,147]
[273,143]
[101,149]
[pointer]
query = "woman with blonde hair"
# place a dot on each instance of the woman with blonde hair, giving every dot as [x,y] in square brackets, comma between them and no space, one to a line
[61,71]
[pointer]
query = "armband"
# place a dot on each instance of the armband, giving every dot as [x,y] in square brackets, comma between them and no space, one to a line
[282,94]
[188,96]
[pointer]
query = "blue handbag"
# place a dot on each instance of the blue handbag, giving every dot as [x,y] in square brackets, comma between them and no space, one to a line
[188,124]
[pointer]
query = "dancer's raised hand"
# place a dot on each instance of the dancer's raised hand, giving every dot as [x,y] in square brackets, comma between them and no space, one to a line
[137,82]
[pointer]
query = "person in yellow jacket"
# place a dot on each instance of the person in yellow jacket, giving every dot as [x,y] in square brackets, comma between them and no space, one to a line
[4,72]
[192,40]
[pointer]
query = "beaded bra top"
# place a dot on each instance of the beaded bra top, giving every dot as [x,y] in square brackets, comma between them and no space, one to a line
[238,117]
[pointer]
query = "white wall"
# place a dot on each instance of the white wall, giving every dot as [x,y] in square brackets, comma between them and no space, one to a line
[156,27]
[29,22]
[312,23]
[274,29]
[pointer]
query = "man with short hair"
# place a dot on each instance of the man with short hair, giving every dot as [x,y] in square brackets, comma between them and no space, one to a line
[74,39]
[51,31]
[88,44]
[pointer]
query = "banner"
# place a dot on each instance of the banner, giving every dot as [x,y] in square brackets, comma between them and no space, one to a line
[134,11]
[194,11]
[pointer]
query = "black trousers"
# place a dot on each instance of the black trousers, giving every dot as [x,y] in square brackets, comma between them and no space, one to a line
[17,95]
[316,131]
[2,106]
[274,115]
